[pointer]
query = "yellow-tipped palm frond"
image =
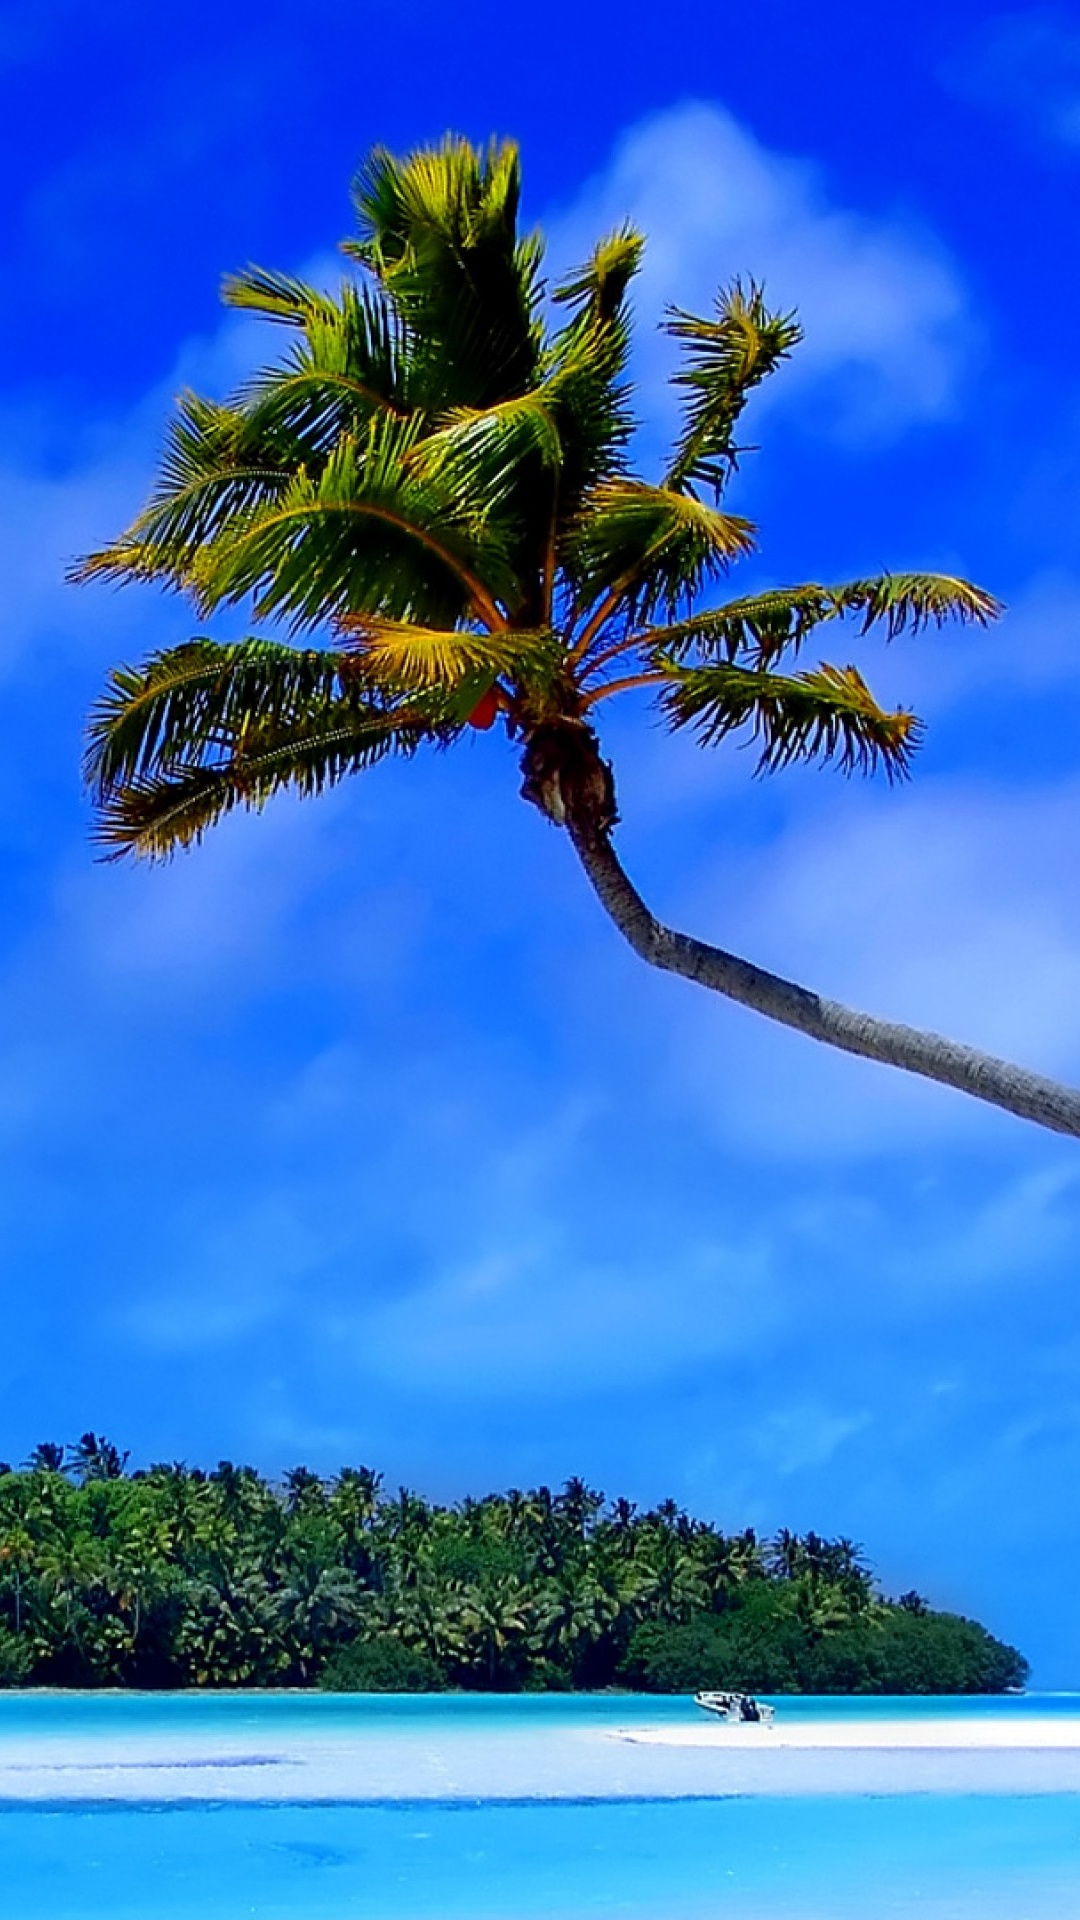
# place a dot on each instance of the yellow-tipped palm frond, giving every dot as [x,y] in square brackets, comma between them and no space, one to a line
[589,359]
[439,231]
[481,451]
[403,656]
[351,363]
[647,547]
[723,361]
[216,470]
[370,533]
[203,728]
[827,714]
[598,289]
[915,600]
[760,627]
[276,296]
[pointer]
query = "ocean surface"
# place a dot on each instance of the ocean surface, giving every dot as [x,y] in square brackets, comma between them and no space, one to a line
[92,1843]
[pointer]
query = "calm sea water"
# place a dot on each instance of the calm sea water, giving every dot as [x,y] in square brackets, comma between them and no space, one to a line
[797,1858]
[62,1714]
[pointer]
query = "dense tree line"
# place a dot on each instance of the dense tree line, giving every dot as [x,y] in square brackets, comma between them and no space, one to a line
[174,1577]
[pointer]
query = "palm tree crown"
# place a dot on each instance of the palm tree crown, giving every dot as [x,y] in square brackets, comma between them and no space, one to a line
[435,480]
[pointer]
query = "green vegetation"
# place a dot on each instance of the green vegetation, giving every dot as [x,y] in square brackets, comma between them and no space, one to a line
[428,506]
[179,1578]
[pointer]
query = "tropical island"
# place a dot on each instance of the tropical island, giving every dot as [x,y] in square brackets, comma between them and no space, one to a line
[174,1577]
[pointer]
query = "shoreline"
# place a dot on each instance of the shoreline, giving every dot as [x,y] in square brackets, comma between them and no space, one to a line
[952,1733]
[991,1755]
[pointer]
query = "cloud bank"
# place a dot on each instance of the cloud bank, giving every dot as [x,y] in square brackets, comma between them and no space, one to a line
[885,312]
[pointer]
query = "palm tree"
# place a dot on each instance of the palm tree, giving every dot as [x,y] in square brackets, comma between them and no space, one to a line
[495,1618]
[183,1501]
[18,1554]
[318,1606]
[435,479]
[136,1571]
[571,1617]
[229,1635]
[95,1458]
[305,1491]
[429,1617]
[579,1504]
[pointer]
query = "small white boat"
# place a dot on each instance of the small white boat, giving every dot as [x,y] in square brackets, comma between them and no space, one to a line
[738,1709]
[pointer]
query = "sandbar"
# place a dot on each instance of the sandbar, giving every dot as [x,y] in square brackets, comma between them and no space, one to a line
[952,1731]
[947,1754]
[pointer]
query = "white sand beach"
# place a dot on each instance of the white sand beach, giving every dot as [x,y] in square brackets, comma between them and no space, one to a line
[950,1754]
[952,1733]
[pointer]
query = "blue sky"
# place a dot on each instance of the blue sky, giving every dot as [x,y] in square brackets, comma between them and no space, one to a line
[357,1135]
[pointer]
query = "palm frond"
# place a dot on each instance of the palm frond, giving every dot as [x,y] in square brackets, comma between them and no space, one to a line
[369,533]
[159,813]
[827,714]
[352,364]
[724,360]
[914,600]
[649,547]
[760,627]
[189,699]
[484,450]
[588,359]
[275,296]
[404,657]
[216,469]
[203,727]
[598,289]
[439,232]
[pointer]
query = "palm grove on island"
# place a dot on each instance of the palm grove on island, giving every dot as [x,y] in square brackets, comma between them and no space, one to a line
[176,1577]
[436,480]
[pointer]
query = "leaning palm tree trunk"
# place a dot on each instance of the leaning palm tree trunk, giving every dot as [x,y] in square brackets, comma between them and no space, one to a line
[1027,1095]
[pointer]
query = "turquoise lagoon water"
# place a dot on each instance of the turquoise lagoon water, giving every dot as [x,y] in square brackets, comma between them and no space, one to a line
[925,1857]
[60,1714]
[733,1859]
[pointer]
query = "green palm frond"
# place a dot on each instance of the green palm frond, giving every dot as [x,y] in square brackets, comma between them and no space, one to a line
[761,627]
[215,470]
[162,812]
[276,296]
[368,534]
[589,357]
[351,363]
[187,700]
[827,714]
[483,450]
[439,232]
[202,728]
[598,290]
[650,546]
[403,656]
[724,359]
[915,600]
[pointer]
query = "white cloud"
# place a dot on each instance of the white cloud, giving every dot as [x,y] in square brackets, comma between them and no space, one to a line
[49,517]
[1028,1226]
[1032,650]
[533,1316]
[884,310]
[948,906]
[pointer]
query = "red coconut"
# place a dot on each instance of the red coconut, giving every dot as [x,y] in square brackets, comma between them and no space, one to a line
[483,714]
